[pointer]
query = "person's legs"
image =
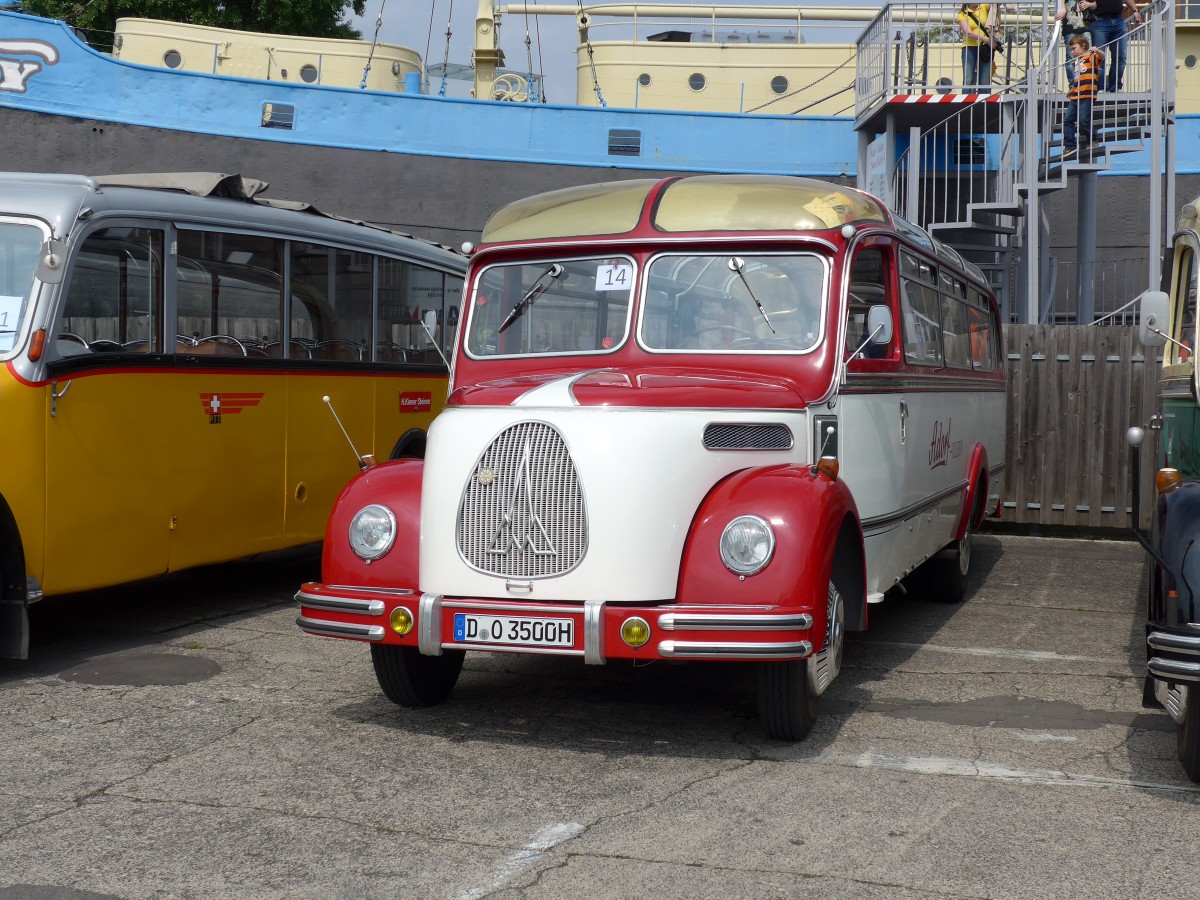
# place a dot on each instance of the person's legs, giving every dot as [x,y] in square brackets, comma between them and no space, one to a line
[1085,124]
[1107,37]
[1069,130]
[970,61]
[1122,53]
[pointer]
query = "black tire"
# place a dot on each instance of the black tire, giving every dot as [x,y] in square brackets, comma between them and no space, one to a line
[409,678]
[787,705]
[946,574]
[1188,737]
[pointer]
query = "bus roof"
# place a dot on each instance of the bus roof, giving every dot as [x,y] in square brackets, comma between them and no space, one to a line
[770,203]
[208,197]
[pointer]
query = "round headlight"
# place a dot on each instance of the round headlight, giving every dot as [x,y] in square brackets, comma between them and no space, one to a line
[372,531]
[747,544]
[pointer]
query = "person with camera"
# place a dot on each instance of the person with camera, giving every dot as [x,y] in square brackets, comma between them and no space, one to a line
[1074,21]
[1106,22]
[977,21]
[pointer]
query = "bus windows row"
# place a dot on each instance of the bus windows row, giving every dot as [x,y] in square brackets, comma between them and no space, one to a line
[230,301]
[945,321]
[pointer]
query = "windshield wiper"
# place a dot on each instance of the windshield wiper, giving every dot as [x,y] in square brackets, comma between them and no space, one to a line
[530,295]
[736,264]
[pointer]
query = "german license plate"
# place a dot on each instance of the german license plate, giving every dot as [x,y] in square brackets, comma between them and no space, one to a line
[470,628]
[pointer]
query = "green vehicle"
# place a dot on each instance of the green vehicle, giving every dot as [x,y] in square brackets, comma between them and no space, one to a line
[1168,320]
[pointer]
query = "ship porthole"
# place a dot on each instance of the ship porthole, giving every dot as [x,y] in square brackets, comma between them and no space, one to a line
[779,84]
[172,59]
[1190,61]
[696,81]
[308,73]
[644,79]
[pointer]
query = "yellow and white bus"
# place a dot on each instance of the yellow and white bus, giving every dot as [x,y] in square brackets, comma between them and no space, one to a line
[163,397]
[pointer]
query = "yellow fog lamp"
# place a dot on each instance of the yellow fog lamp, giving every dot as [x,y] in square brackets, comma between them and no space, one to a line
[635,631]
[401,620]
[1167,480]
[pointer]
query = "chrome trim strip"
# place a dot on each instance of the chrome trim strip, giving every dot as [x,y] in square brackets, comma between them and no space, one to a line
[429,625]
[1173,699]
[732,650]
[397,592]
[864,383]
[593,632]
[504,648]
[341,604]
[501,606]
[340,629]
[881,523]
[1173,669]
[751,622]
[1188,645]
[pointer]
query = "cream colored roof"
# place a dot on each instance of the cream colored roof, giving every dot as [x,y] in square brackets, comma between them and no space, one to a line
[698,203]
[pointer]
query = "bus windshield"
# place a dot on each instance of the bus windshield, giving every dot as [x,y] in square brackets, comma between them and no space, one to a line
[551,307]
[19,246]
[726,303]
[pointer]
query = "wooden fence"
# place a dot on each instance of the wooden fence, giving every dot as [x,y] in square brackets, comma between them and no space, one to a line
[1072,393]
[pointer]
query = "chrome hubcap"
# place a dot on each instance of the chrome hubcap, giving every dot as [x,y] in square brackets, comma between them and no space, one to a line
[824,666]
[964,553]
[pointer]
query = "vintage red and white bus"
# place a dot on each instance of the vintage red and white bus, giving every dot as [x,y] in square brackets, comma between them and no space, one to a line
[701,418]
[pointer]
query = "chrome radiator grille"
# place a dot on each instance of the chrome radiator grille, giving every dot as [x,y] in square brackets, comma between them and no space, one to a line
[522,513]
[747,436]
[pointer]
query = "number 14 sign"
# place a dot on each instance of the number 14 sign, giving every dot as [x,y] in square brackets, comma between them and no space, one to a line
[616,277]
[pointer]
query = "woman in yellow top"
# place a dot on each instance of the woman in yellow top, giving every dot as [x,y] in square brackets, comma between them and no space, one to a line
[977,21]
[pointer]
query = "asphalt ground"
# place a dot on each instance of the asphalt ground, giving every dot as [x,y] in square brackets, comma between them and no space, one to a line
[182,738]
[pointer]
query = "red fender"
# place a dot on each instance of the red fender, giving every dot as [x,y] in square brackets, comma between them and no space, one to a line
[807,514]
[396,485]
[977,483]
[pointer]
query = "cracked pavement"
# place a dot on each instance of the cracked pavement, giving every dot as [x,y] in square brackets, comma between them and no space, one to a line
[182,738]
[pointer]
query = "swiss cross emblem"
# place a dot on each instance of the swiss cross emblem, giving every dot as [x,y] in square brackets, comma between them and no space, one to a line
[218,404]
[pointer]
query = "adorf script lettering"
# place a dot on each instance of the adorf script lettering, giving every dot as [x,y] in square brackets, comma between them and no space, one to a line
[942,448]
[16,68]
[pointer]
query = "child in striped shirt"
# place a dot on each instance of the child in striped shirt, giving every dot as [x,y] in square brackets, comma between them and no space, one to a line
[1088,63]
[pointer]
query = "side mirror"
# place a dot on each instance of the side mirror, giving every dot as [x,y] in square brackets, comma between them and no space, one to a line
[430,322]
[52,262]
[879,324]
[1153,318]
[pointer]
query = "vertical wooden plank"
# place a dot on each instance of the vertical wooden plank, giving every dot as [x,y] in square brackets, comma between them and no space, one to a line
[1071,459]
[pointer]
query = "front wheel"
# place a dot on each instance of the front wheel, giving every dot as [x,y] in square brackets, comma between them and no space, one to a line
[788,691]
[409,678]
[787,704]
[1188,738]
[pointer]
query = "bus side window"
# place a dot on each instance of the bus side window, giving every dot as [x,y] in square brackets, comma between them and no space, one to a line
[868,287]
[334,320]
[922,326]
[113,302]
[407,292]
[1185,306]
[984,333]
[228,294]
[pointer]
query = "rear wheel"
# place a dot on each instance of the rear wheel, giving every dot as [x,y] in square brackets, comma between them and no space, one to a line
[409,678]
[946,574]
[1189,733]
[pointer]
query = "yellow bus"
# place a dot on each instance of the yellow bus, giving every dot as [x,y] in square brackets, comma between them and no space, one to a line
[164,396]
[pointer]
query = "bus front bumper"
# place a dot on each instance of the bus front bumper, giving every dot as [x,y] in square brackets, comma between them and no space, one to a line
[595,631]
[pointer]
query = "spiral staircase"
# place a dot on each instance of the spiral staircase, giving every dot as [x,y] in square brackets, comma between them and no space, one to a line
[974,169]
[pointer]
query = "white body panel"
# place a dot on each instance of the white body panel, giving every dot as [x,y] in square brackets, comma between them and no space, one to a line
[644,473]
[906,489]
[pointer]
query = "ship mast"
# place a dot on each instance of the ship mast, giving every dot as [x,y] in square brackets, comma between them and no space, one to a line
[488,55]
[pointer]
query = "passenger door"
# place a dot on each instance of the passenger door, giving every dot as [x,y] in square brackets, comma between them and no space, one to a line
[108,428]
[229,400]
